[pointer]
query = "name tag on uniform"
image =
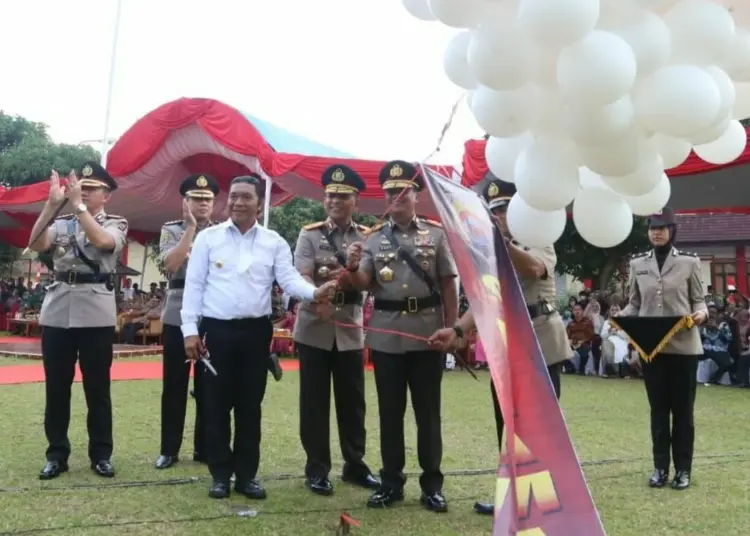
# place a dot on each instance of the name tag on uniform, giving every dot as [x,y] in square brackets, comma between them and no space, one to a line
[641,272]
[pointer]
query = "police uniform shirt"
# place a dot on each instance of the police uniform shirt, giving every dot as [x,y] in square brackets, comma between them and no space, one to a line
[393,279]
[71,305]
[171,234]
[549,329]
[675,290]
[314,254]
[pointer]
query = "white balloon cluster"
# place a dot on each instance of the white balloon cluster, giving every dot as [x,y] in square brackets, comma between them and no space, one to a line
[590,101]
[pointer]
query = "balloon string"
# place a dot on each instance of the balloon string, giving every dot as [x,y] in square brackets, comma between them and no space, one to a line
[446,127]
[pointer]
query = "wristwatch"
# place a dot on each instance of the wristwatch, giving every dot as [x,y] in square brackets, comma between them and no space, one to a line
[80,208]
[459,331]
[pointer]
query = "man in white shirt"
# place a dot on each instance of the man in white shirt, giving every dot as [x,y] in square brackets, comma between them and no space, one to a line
[228,284]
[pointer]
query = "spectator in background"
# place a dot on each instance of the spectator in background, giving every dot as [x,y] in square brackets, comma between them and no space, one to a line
[593,312]
[152,312]
[717,337]
[580,332]
[743,364]
[615,349]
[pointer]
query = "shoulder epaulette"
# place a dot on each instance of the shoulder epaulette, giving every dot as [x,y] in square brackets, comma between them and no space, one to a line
[66,217]
[638,255]
[175,222]
[433,223]
[115,217]
[687,253]
[362,228]
[374,229]
[316,225]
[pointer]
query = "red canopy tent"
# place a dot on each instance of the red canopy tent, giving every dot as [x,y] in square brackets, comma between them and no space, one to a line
[697,187]
[200,136]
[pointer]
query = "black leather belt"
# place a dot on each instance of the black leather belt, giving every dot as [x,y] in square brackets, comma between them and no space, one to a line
[409,305]
[76,278]
[534,311]
[176,283]
[347,298]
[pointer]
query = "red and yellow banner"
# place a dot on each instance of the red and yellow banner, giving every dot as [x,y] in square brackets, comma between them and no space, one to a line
[541,489]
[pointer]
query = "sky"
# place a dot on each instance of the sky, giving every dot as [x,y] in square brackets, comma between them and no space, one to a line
[362,76]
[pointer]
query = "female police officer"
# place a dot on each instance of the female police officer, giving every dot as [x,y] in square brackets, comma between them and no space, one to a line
[667,282]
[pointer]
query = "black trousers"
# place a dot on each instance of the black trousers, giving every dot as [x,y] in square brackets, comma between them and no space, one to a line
[239,351]
[174,394]
[92,348]
[420,373]
[554,374]
[723,363]
[743,370]
[316,368]
[671,382]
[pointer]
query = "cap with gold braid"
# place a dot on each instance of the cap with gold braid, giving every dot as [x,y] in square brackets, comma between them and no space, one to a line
[199,187]
[650,334]
[400,174]
[340,179]
[93,175]
[498,193]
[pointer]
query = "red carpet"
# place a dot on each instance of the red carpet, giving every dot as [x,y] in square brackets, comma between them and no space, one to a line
[121,370]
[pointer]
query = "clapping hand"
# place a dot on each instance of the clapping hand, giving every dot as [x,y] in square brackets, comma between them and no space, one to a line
[325,292]
[187,215]
[74,189]
[56,192]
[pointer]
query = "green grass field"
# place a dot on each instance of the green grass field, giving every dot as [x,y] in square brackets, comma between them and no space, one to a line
[607,419]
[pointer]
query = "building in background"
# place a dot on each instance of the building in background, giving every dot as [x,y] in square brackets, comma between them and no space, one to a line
[723,243]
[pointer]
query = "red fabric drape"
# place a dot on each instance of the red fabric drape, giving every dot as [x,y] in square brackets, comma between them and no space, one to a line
[475,166]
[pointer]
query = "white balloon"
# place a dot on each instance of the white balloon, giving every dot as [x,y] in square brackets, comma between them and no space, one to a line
[459,13]
[455,63]
[728,148]
[737,62]
[596,125]
[419,9]
[602,217]
[726,90]
[645,178]
[534,228]
[702,31]
[742,101]
[712,133]
[498,56]
[649,37]
[589,179]
[653,201]
[502,113]
[615,159]
[501,154]
[673,151]
[547,117]
[598,70]
[558,23]
[677,100]
[547,174]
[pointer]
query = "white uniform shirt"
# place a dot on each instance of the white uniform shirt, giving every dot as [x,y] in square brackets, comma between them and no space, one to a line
[230,275]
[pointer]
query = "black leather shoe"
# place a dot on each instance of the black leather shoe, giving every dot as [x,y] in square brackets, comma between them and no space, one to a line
[200,458]
[219,489]
[486,509]
[367,481]
[681,480]
[274,367]
[434,502]
[53,469]
[658,479]
[319,486]
[103,468]
[162,462]
[385,497]
[250,489]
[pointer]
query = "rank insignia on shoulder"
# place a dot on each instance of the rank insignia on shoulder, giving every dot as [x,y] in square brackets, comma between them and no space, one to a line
[66,217]
[686,253]
[115,217]
[316,225]
[639,255]
[374,229]
[362,228]
[175,222]
[432,222]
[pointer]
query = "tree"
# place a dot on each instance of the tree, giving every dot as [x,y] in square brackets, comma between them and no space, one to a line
[580,259]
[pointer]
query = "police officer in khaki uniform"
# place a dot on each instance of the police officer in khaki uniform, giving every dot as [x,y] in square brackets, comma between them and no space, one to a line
[665,281]
[407,266]
[326,350]
[78,315]
[536,270]
[198,193]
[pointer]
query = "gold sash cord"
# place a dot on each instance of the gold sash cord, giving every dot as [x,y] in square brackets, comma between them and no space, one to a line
[684,322]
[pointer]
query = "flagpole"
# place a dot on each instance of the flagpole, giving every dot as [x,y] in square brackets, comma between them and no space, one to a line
[110,89]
